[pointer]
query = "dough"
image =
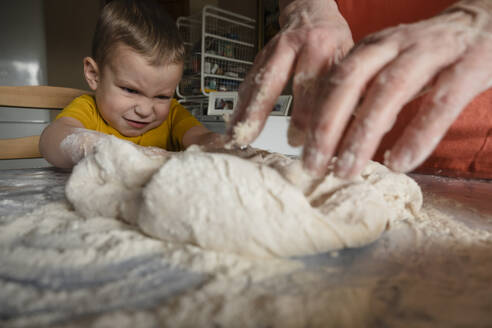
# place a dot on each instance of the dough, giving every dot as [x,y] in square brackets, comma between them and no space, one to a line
[260,206]
[108,182]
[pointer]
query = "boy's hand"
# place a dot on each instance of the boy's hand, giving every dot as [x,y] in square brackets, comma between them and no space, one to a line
[154,151]
[73,148]
[80,143]
[201,136]
[213,141]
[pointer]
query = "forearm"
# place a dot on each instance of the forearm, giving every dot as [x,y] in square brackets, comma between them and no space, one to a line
[65,145]
[284,3]
[484,4]
[211,139]
[199,135]
[324,9]
[307,3]
[49,147]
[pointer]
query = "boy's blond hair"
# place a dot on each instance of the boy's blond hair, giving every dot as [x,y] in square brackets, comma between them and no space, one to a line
[144,26]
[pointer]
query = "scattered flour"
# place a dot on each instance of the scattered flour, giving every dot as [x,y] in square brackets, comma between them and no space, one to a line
[62,267]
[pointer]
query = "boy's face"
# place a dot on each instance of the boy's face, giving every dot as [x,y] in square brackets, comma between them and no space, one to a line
[132,96]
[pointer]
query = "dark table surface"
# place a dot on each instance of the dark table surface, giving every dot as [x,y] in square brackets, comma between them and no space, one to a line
[433,262]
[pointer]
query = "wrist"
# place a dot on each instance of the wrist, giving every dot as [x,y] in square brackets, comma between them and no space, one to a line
[472,6]
[474,13]
[79,144]
[313,9]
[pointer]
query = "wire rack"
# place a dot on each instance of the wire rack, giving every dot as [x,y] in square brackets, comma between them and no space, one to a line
[220,49]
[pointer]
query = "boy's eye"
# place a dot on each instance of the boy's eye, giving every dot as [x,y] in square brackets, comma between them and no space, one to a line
[129,90]
[163,97]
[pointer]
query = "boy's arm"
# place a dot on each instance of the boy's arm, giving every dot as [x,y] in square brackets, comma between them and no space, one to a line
[65,142]
[200,135]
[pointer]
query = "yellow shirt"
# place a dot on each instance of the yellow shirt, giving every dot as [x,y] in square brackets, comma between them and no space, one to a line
[169,135]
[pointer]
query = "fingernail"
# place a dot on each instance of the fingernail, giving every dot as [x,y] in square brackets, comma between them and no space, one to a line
[314,162]
[386,157]
[400,161]
[295,136]
[244,132]
[344,165]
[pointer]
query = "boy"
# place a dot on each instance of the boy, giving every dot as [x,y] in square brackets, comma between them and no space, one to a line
[136,64]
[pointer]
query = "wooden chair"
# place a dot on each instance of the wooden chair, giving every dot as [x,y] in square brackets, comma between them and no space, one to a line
[36,97]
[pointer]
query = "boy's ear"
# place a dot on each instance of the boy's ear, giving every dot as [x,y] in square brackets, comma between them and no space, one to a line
[91,72]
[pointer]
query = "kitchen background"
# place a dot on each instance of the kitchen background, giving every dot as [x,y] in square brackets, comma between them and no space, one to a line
[70,24]
[43,42]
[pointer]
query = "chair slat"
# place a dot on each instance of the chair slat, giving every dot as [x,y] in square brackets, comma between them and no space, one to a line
[38,96]
[15,148]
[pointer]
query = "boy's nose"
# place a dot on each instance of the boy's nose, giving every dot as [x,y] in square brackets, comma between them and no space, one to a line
[143,109]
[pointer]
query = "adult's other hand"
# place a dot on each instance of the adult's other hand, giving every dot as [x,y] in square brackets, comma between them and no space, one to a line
[449,56]
[313,37]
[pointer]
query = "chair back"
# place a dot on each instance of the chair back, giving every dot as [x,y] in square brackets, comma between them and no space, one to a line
[33,97]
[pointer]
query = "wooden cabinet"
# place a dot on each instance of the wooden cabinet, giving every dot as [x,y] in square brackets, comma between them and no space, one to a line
[176,8]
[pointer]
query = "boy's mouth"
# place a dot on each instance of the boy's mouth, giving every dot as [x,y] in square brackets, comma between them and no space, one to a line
[136,124]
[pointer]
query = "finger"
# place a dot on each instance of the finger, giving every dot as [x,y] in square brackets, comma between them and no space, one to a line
[260,90]
[337,99]
[454,89]
[313,64]
[390,90]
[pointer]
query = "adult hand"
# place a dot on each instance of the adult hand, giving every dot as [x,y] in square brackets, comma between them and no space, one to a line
[313,37]
[449,55]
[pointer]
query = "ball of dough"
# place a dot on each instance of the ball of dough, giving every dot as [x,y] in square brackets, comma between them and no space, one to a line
[225,203]
[250,202]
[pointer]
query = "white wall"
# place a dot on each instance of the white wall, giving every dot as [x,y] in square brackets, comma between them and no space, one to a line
[22,43]
[197,5]
[22,62]
[69,28]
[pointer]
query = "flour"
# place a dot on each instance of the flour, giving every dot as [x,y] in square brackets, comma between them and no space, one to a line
[62,268]
[108,182]
[414,276]
[58,265]
[402,281]
[263,206]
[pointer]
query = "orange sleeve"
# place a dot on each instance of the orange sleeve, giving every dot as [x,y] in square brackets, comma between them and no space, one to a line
[180,122]
[466,149]
[368,16]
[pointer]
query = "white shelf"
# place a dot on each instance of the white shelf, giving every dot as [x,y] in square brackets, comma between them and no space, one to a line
[221,48]
[228,59]
[232,21]
[218,37]
[224,77]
